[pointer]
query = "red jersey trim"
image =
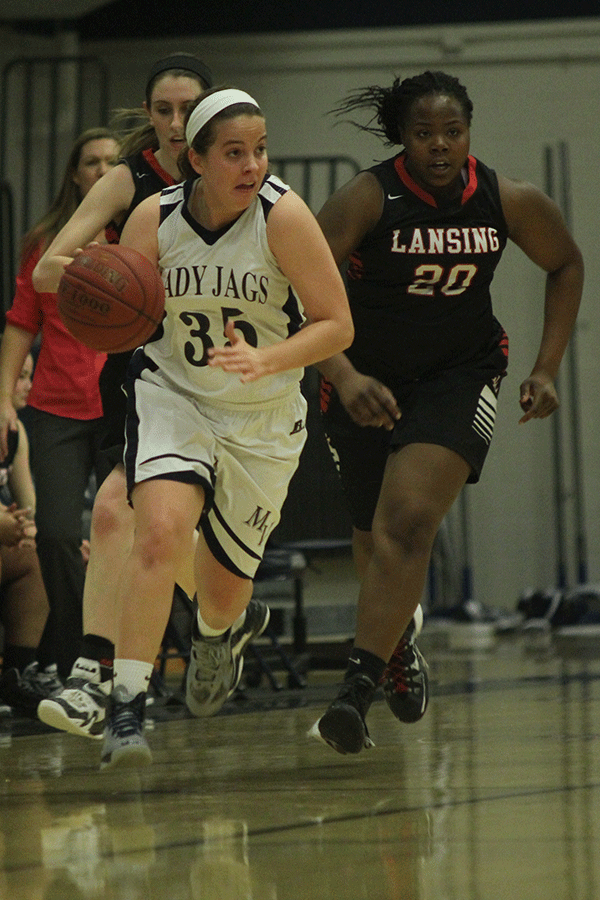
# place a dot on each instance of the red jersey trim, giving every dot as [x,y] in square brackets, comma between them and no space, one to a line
[154,164]
[428,198]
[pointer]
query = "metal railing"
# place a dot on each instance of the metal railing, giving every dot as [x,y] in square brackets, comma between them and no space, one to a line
[314,178]
[45,103]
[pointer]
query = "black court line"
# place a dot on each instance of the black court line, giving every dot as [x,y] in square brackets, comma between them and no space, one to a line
[321,821]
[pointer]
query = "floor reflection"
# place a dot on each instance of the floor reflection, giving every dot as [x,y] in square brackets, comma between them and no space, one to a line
[494,794]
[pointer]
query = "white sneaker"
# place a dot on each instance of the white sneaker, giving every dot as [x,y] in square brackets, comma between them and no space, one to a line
[80,707]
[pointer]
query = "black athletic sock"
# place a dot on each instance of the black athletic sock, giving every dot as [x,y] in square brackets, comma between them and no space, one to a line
[99,648]
[17,657]
[363,662]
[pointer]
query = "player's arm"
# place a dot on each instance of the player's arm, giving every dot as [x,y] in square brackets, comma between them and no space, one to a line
[303,256]
[345,219]
[108,198]
[536,225]
[16,344]
[20,481]
[349,214]
[141,229]
[306,259]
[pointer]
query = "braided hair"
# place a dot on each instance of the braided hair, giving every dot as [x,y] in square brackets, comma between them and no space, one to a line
[393,104]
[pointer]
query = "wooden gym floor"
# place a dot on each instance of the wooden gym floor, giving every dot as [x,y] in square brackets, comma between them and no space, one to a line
[495,794]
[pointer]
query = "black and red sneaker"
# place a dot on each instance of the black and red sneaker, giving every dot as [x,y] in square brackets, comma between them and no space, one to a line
[405,681]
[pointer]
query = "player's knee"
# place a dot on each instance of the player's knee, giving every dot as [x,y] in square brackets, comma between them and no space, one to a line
[408,531]
[159,541]
[110,516]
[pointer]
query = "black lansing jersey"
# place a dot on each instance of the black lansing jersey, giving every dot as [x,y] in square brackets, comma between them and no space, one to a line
[149,178]
[419,283]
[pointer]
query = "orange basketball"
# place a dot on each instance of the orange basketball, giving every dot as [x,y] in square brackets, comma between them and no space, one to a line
[111,298]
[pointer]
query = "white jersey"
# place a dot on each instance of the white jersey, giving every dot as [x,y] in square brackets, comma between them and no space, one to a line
[213,276]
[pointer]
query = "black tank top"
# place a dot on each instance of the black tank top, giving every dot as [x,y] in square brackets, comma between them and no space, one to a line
[149,178]
[419,283]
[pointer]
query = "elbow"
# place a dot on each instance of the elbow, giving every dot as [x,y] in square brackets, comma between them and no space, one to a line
[346,334]
[43,277]
[349,335]
[577,265]
[573,267]
[37,277]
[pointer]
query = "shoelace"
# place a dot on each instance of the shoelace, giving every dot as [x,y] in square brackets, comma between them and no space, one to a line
[358,692]
[126,718]
[209,661]
[402,667]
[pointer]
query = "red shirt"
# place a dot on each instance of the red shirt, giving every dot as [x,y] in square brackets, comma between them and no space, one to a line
[65,381]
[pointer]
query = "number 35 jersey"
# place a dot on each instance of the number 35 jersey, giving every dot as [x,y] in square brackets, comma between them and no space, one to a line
[419,283]
[211,277]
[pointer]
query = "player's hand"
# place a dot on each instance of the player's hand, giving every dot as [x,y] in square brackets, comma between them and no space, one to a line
[29,533]
[79,250]
[237,356]
[538,397]
[368,402]
[12,524]
[8,422]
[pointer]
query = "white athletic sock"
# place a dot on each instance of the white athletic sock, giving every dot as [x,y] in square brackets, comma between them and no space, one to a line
[207,631]
[133,675]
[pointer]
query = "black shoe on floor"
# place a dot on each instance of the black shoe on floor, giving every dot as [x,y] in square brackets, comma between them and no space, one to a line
[343,725]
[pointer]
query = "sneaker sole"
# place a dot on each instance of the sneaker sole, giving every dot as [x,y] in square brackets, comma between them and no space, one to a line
[328,732]
[52,713]
[128,758]
[407,715]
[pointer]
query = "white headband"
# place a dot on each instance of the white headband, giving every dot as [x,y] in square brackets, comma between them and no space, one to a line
[210,106]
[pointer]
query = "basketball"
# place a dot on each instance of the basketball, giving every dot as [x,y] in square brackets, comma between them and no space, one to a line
[111,298]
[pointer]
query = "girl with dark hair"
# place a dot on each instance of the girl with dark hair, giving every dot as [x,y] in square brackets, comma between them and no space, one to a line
[410,407]
[150,163]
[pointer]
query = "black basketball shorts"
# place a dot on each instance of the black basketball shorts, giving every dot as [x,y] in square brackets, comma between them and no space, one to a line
[455,409]
[114,407]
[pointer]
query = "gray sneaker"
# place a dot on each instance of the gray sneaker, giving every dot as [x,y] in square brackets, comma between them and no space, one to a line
[124,743]
[80,707]
[22,691]
[216,664]
[45,681]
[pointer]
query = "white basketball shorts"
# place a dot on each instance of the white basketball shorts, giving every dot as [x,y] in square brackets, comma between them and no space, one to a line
[243,459]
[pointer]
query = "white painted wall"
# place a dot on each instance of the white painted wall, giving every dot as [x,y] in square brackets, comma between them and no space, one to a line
[533,85]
